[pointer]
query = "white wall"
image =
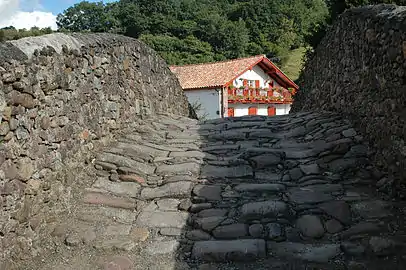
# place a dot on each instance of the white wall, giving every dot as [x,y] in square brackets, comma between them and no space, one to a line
[256,73]
[242,109]
[210,100]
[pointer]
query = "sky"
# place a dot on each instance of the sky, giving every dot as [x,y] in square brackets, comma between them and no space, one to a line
[29,13]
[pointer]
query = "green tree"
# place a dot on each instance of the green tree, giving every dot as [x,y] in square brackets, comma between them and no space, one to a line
[86,16]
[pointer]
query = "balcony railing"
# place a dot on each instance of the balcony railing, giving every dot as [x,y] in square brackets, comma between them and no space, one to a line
[260,95]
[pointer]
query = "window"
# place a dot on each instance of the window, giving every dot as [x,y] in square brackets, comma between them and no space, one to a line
[251,83]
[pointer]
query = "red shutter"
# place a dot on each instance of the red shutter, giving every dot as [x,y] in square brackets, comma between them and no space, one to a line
[245,82]
[271,111]
[270,93]
[230,112]
[252,111]
[245,92]
[230,92]
[257,84]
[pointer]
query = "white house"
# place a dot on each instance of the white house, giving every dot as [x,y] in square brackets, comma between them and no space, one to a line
[238,87]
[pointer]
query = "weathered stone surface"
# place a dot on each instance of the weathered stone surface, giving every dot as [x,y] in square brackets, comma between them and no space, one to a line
[371,209]
[175,190]
[162,247]
[360,229]
[214,212]
[123,188]
[210,192]
[195,208]
[232,231]
[266,160]
[310,169]
[118,263]
[306,252]
[310,226]
[339,210]
[256,230]
[168,204]
[52,152]
[263,209]
[162,219]
[209,223]
[260,187]
[139,234]
[121,161]
[117,243]
[308,197]
[107,200]
[333,226]
[197,235]
[382,246]
[274,231]
[232,250]
[229,172]
[179,169]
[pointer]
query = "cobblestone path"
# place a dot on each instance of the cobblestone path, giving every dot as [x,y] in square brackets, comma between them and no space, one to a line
[285,192]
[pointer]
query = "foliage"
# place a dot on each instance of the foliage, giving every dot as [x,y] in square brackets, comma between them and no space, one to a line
[10,33]
[192,31]
[86,16]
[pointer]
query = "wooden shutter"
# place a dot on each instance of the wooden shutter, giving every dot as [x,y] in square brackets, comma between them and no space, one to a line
[271,111]
[230,112]
[245,92]
[245,82]
[252,111]
[269,93]
[257,84]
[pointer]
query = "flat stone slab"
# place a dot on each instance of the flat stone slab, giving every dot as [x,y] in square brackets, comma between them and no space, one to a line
[121,161]
[209,192]
[308,197]
[260,187]
[173,190]
[258,210]
[233,250]
[120,243]
[118,188]
[177,169]
[162,247]
[307,252]
[162,219]
[226,172]
[371,209]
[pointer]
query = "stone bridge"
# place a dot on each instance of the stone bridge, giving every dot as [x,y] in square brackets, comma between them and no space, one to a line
[287,192]
[102,167]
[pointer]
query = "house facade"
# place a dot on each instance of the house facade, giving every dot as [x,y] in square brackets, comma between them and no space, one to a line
[245,86]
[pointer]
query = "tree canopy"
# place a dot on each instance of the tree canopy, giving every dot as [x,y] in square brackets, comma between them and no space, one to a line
[195,31]
[190,31]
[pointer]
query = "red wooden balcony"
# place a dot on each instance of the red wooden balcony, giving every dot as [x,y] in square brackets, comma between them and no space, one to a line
[260,95]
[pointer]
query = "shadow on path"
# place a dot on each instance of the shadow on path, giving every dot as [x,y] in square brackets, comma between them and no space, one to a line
[286,192]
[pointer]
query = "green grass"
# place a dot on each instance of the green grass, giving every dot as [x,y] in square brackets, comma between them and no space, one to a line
[294,63]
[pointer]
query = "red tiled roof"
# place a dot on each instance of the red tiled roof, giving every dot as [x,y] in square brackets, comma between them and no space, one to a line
[218,74]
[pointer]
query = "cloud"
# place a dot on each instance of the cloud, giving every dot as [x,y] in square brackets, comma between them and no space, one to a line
[25,14]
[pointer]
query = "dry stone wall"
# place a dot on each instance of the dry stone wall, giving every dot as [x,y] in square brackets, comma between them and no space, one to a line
[358,70]
[62,96]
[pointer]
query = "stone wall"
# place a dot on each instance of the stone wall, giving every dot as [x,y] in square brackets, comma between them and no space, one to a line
[61,96]
[358,70]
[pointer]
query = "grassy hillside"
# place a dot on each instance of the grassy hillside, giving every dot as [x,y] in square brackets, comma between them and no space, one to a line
[294,63]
